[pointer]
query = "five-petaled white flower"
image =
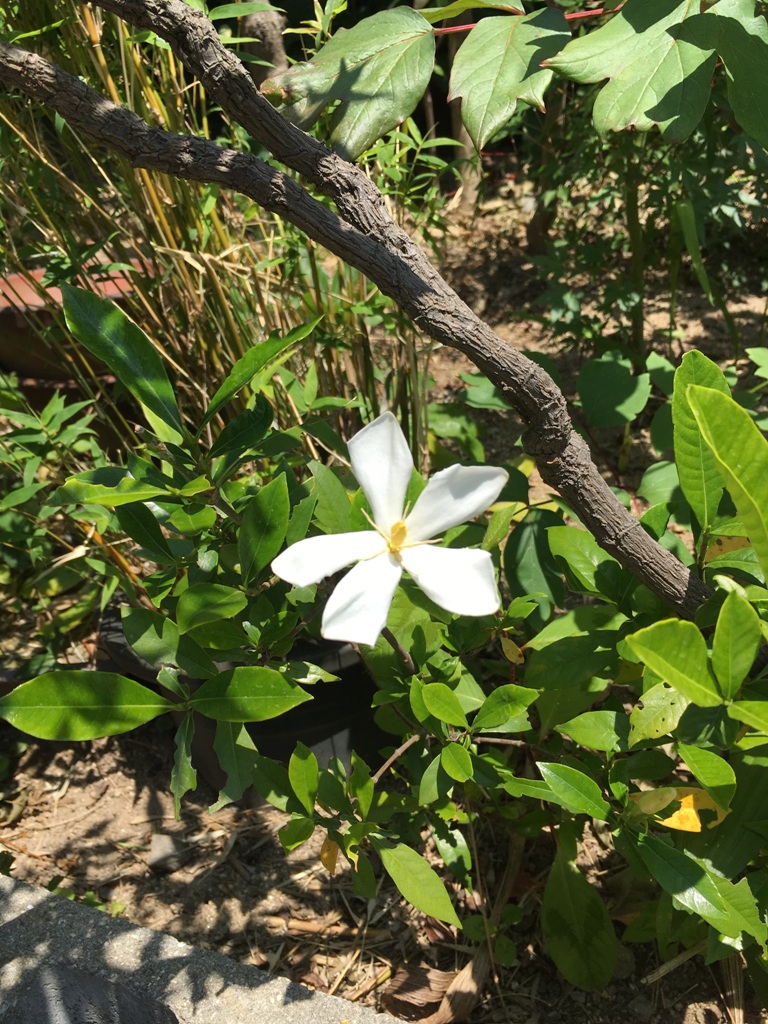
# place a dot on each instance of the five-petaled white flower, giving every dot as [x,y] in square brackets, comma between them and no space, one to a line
[459,580]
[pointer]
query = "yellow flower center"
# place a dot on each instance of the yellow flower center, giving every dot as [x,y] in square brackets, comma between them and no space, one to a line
[397,536]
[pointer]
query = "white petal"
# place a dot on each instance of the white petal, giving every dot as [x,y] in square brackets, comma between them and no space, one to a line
[358,607]
[453,496]
[383,466]
[310,560]
[461,580]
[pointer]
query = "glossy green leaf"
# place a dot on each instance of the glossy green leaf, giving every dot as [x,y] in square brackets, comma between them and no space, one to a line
[456,762]
[502,705]
[577,929]
[270,779]
[295,832]
[658,57]
[456,7]
[237,756]
[737,639]
[435,784]
[361,785]
[377,71]
[193,519]
[441,702]
[697,469]
[239,10]
[157,640]
[743,48]
[576,791]
[183,774]
[611,394]
[247,694]
[677,652]
[416,880]
[243,433]
[254,360]
[529,566]
[304,776]
[499,63]
[712,772]
[108,486]
[750,712]
[111,336]
[662,708]
[265,521]
[208,602]
[137,521]
[588,567]
[741,453]
[599,730]
[77,705]
[333,509]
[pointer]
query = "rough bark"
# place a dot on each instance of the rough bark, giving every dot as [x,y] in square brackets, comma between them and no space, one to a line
[361,233]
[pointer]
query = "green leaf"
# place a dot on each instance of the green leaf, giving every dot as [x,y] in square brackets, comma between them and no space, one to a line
[243,433]
[658,57]
[270,779]
[457,7]
[416,880]
[157,640]
[108,486]
[435,784]
[662,709]
[111,336]
[333,510]
[677,652]
[737,638]
[499,63]
[361,785]
[456,762]
[502,705]
[743,48]
[577,928]
[577,792]
[741,453]
[589,568]
[377,71]
[611,395]
[183,775]
[599,730]
[137,521]
[697,469]
[265,521]
[529,567]
[247,694]
[208,602]
[239,10]
[254,360]
[237,756]
[714,774]
[499,527]
[77,705]
[441,702]
[193,519]
[304,776]
[295,832]
[751,712]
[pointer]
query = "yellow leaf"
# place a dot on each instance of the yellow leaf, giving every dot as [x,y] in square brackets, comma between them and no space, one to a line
[511,651]
[686,817]
[329,853]
[724,546]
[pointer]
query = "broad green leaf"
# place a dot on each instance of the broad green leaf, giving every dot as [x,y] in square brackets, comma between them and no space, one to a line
[699,476]
[157,640]
[77,705]
[611,395]
[270,779]
[588,567]
[304,776]
[741,453]
[743,48]
[577,928]
[573,661]
[111,336]
[577,792]
[457,7]
[677,652]
[333,509]
[361,785]
[502,705]
[662,709]
[453,848]
[435,784]
[265,521]
[416,880]
[737,638]
[751,712]
[377,71]
[193,519]
[108,486]
[529,567]
[137,521]
[694,888]
[456,762]
[534,788]
[499,63]
[208,602]
[254,360]
[499,526]
[239,10]
[658,57]
[599,730]
[295,832]
[247,694]
[441,702]
[714,774]
[243,433]
[183,775]
[237,756]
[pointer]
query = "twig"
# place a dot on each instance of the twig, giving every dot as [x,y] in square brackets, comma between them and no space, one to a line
[393,757]
[397,647]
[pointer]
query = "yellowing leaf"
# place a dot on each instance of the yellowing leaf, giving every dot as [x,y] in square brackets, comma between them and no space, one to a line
[724,545]
[511,651]
[329,853]
[690,800]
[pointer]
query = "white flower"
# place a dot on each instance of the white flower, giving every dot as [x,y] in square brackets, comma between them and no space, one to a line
[459,580]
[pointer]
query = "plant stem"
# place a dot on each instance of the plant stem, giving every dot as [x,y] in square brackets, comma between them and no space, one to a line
[393,757]
[394,643]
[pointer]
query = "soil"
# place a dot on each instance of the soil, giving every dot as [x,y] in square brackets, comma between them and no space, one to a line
[97,819]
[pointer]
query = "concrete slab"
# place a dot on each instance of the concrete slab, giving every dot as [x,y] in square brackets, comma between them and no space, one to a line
[42,936]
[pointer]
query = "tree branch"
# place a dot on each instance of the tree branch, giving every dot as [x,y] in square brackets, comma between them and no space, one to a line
[363,235]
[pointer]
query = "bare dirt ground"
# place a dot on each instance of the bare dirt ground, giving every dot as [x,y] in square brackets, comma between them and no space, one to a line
[98,816]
